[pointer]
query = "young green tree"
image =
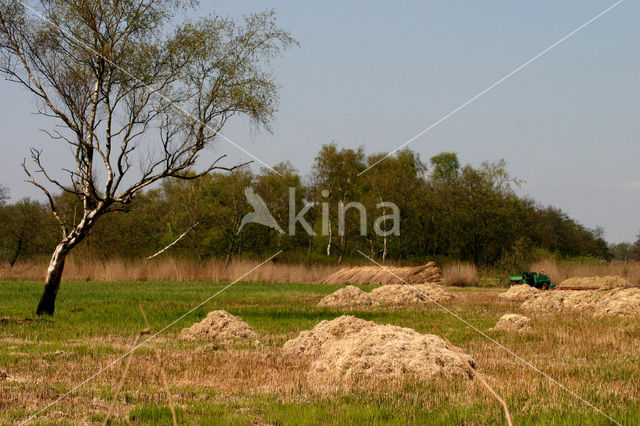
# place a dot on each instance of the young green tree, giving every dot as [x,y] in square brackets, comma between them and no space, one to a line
[445,167]
[135,97]
[622,251]
[4,195]
[336,182]
[635,250]
[400,180]
[27,230]
[274,188]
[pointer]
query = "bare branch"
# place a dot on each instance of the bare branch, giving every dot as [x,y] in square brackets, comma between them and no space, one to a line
[52,206]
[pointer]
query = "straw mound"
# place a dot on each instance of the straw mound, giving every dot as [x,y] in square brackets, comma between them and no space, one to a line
[519,293]
[310,342]
[219,325]
[620,302]
[385,353]
[346,349]
[605,282]
[349,296]
[514,322]
[395,294]
[428,273]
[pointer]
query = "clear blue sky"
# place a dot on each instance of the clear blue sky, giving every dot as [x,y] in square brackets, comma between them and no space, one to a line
[376,73]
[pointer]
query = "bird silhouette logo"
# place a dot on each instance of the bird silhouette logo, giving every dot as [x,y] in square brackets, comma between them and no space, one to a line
[261,213]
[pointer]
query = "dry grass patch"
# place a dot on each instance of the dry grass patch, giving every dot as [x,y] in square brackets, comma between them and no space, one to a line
[241,384]
[4,375]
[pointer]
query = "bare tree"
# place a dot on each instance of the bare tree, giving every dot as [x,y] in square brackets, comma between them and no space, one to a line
[136,97]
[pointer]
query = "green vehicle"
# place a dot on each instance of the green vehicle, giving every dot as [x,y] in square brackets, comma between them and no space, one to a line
[533,279]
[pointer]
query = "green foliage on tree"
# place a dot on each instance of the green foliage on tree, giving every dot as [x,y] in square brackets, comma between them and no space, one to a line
[476,217]
[445,167]
[4,195]
[635,250]
[27,231]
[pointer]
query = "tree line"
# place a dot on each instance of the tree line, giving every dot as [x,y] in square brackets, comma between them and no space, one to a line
[446,211]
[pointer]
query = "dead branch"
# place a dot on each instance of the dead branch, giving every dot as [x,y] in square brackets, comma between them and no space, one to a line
[173,243]
[165,382]
[475,374]
[122,377]
[125,371]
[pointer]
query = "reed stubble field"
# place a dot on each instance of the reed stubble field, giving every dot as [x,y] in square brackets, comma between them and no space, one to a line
[255,383]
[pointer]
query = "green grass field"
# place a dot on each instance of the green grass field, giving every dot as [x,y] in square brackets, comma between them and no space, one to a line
[96,322]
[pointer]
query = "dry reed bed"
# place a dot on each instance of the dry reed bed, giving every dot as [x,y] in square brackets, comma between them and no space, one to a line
[169,269]
[460,274]
[609,281]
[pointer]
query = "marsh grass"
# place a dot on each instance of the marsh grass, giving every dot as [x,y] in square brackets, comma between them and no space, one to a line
[170,269]
[561,270]
[460,274]
[253,383]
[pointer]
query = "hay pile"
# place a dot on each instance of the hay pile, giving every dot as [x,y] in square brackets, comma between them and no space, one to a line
[519,293]
[428,273]
[402,294]
[514,322]
[619,302]
[220,326]
[347,350]
[624,302]
[309,342]
[349,296]
[609,281]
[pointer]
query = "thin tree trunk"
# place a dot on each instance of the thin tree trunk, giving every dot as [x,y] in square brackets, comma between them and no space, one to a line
[344,249]
[329,241]
[14,259]
[384,220]
[230,250]
[47,303]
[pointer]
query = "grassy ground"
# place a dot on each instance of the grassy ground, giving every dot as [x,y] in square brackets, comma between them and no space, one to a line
[96,322]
